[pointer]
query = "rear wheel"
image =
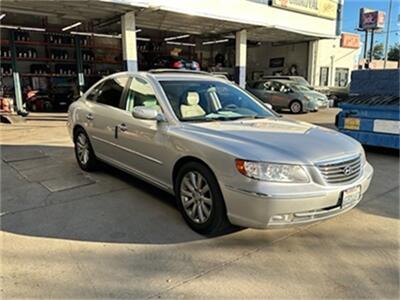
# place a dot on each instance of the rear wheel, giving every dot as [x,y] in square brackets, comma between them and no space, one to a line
[84,152]
[200,199]
[296,107]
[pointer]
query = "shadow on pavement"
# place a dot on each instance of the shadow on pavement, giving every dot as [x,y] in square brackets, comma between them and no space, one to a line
[109,206]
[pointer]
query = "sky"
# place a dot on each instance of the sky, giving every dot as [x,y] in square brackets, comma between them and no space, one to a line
[351,13]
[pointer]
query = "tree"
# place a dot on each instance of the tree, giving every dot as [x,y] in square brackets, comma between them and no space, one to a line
[377,51]
[393,53]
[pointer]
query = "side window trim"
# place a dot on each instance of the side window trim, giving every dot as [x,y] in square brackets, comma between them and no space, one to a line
[95,90]
[122,102]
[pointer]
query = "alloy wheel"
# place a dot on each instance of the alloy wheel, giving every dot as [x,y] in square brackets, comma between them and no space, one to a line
[82,148]
[196,197]
[295,107]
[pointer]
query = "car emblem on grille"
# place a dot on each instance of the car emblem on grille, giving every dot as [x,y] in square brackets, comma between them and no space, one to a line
[347,170]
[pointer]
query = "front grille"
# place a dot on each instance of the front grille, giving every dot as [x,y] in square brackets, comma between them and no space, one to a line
[341,171]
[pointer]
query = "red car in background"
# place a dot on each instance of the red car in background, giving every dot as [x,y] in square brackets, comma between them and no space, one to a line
[175,62]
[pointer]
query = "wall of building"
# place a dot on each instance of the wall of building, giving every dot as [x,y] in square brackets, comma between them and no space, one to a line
[331,55]
[378,64]
[259,59]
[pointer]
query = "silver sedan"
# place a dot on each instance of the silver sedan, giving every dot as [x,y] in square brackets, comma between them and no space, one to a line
[226,157]
[283,94]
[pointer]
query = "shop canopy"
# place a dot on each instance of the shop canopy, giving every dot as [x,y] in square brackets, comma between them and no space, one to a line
[105,14]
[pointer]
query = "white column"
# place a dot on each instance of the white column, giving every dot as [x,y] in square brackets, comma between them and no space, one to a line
[312,62]
[129,49]
[241,55]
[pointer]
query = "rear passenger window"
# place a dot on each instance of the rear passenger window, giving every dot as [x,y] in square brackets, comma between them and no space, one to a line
[112,90]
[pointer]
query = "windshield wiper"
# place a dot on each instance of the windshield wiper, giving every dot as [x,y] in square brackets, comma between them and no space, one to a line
[245,117]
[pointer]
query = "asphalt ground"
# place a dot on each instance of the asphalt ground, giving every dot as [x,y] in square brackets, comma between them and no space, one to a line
[70,234]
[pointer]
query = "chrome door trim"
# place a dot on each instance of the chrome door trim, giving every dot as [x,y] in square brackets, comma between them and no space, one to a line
[129,150]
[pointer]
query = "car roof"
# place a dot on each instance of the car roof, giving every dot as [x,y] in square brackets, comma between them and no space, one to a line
[172,74]
[286,81]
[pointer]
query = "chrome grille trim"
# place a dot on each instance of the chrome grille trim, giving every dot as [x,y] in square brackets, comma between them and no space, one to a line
[333,172]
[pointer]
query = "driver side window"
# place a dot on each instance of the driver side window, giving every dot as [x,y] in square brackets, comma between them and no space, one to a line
[141,93]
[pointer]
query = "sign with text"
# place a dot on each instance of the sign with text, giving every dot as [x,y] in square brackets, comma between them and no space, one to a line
[321,8]
[349,40]
[371,19]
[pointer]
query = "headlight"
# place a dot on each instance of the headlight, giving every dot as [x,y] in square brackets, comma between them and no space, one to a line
[272,171]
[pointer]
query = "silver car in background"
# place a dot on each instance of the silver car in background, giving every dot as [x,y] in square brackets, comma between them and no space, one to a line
[226,157]
[287,94]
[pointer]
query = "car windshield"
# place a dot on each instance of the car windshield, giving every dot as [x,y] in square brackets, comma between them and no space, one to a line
[299,88]
[212,100]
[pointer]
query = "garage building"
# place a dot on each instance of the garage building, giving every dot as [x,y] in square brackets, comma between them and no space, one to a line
[62,47]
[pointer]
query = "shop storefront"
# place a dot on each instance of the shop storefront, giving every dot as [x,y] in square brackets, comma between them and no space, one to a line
[62,47]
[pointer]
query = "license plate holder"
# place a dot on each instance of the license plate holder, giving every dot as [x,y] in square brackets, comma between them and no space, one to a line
[352,123]
[351,195]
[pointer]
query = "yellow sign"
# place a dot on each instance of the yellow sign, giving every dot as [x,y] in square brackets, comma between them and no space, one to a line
[352,123]
[321,8]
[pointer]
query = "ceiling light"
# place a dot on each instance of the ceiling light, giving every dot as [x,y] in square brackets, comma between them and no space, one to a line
[2,16]
[215,42]
[182,44]
[143,39]
[71,26]
[22,28]
[177,37]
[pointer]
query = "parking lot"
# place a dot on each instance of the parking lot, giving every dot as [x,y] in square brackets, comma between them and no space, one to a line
[69,234]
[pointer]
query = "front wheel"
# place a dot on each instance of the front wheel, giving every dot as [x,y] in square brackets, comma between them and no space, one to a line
[84,152]
[200,199]
[296,107]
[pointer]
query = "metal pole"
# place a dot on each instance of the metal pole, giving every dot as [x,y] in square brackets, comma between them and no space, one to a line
[79,64]
[371,49]
[387,33]
[366,45]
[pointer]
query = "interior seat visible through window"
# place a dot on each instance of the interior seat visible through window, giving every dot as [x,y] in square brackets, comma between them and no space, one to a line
[190,106]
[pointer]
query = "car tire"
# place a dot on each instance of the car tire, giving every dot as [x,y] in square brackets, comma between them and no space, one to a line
[203,216]
[84,153]
[296,107]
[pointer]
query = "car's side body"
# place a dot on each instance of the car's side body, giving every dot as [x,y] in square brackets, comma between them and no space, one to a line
[154,150]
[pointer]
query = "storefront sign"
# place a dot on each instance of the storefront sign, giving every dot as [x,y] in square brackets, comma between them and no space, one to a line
[371,19]
[349,40]
[320,8]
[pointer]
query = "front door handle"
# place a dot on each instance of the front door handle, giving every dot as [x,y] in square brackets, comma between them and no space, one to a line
[89,116]
[122,127]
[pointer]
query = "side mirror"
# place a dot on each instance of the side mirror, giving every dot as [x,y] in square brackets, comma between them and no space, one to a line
[147,113]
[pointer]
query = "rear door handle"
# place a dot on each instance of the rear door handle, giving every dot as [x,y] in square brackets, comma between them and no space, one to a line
[89,116]
[122,127]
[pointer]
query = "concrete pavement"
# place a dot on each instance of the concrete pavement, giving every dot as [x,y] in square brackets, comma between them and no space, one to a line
[70,234]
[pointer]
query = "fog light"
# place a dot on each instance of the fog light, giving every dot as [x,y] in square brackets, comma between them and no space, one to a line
[286,218]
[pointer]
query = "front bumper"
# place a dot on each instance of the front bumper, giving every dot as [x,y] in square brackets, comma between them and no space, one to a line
[258,204]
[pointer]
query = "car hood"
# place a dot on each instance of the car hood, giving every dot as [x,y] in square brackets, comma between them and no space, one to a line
[275,139]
